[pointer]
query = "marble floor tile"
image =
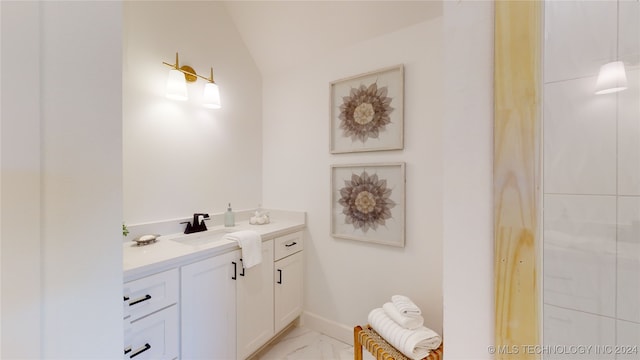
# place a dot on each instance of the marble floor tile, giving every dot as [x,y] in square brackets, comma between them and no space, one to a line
[347,354]
[303,344]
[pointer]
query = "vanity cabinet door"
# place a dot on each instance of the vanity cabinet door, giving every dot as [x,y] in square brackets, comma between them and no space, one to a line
[255,304]
[208,308]
[288,290]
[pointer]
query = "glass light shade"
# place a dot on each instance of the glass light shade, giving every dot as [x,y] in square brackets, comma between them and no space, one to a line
[612,78]
[176,85]
[211,96]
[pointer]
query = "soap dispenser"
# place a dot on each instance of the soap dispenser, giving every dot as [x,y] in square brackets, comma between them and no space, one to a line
[229,217]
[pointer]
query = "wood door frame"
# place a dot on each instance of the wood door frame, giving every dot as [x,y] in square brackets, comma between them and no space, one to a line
[517,201]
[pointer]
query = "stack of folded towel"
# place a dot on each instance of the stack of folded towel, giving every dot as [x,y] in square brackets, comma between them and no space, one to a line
[400,322]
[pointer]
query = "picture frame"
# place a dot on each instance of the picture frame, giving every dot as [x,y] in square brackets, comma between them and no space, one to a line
[367,111]
[368,202]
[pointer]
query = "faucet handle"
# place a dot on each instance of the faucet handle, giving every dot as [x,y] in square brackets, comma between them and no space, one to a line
[189,228]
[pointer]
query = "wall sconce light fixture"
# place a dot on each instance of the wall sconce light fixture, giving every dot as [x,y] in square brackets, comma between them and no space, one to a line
[177,84]
[611,78]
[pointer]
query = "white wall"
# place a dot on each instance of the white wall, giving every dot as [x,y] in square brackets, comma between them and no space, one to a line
[81,109]
[77,129]
[179,157]
[20,181]
[0,183]
[468,162]
[346,279]
[61,180]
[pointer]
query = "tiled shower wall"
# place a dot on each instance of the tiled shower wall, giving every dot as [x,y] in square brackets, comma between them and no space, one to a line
[591,182]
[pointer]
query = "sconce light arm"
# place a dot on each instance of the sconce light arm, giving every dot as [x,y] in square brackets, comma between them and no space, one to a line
[186,70]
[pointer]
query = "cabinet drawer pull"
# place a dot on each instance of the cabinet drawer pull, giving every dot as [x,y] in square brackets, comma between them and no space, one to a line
[125,298]
[242,265]
[140,351]
[145,298]
[280,276]
[235,270]
[127,350]
[290,245]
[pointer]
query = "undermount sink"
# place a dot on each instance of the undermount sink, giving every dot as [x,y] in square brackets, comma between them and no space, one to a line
[202,238]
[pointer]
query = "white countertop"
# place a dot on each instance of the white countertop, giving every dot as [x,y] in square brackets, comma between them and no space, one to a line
[139,261]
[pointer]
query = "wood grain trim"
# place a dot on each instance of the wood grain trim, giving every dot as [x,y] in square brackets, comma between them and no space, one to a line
[517,120]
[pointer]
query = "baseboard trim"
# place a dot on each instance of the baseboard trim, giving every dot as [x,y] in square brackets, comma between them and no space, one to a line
[327,327]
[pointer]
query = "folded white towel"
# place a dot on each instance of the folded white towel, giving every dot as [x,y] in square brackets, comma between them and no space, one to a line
[407,322]
[251,244]
[415,344]
[406,306]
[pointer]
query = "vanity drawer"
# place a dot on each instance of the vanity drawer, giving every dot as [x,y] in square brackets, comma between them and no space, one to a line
[149,294]
[288,244]
[153,337]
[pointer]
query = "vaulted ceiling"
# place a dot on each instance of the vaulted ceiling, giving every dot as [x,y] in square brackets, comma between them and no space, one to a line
[279,34]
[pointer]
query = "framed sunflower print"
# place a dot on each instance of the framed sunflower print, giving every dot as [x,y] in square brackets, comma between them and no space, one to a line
[367,111]
[368,202]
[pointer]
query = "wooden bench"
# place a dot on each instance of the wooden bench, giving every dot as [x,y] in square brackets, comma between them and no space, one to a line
[369,339]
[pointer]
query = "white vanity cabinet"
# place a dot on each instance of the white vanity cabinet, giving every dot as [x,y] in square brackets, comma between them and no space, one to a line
[269,295]
[288,276]
[151,317]
[208,307]
[211,308]
[254,293]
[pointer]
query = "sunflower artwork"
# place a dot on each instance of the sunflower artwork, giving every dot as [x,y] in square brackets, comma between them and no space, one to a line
[368,202]
[366,112]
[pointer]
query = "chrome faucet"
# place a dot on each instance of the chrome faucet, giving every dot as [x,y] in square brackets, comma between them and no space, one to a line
[198,223]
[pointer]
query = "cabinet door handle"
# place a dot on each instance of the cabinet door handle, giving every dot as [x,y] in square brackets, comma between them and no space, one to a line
[140,351]
[290,245]
[125,298]
[280,277]
[145,298]
[235,270]
[127,350]
[242,265]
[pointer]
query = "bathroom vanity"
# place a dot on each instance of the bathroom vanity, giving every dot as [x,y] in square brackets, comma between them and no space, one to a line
[189,297]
